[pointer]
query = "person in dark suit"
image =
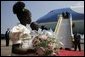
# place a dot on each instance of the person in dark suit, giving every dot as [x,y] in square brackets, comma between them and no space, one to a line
[7,37]
[65,15]
[43,27]
[34,26]
[77,42]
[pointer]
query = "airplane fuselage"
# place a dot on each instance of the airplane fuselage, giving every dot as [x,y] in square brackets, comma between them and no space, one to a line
[78,26]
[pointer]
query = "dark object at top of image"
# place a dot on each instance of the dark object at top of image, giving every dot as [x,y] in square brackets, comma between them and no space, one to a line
[18,6]
[24,15]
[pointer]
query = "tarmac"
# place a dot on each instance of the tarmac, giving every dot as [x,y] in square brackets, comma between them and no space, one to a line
[6,50]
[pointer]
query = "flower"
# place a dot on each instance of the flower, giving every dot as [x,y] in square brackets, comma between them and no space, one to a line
[40,51]
[43,37]
[50,45]
[35,41]
[45,45]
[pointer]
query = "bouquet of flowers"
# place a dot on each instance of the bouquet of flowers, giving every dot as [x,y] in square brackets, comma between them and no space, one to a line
[44,42]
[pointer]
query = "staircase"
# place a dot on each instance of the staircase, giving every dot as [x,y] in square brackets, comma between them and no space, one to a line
[64,30]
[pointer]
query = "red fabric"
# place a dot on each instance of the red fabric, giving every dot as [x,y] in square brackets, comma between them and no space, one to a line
[71,53]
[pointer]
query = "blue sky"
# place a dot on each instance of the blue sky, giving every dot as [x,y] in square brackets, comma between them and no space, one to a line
[37,8]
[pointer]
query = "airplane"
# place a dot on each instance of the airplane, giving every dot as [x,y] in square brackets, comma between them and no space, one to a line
[50,19]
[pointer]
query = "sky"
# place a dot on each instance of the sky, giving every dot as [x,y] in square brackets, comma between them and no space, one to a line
[37,9]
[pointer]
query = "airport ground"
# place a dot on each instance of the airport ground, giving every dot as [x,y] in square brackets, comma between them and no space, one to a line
[6,51]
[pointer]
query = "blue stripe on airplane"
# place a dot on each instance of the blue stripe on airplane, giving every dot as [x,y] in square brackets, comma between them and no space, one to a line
[52,16]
